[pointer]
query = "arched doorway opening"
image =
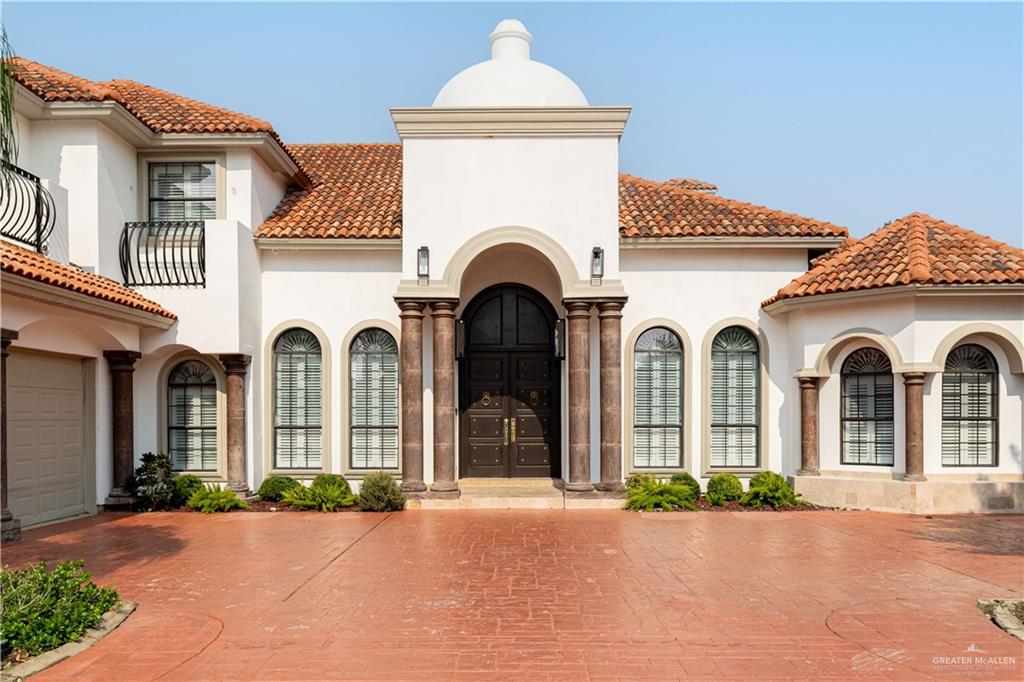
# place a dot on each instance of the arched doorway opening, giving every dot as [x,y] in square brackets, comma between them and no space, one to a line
[509,424]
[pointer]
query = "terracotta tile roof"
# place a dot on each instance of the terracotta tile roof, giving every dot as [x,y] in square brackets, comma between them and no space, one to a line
[31,265]
[667,209]
[357,194]
[54,85]
[917,249]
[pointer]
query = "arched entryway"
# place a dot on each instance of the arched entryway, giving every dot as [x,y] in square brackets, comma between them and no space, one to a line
[509,386]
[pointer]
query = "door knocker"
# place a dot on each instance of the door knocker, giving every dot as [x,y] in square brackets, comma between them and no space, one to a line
[534,398]
[485,399]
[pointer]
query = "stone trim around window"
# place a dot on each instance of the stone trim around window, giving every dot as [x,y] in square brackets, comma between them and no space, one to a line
[705,398]
[629,381]
[267,412]
[220,474]
[345,437]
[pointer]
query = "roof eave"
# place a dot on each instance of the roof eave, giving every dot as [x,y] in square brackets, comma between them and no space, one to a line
[328,244]
[712,241]
[787,305]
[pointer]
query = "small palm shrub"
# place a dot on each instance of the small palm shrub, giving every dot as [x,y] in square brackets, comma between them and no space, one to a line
[722,488]
[274,487]
[325,494]
[684,478]
[321,479]
[772,489]
[654,494]
[183,487]
[212,499]
[379,492]
[638,479]
[45,609]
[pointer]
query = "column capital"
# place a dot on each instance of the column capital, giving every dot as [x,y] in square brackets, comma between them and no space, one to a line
[809,383]
[410,307]
[6,336]
[121,360]
[914,378]
[443,307]
[235,363]
[610,308]
[577,307]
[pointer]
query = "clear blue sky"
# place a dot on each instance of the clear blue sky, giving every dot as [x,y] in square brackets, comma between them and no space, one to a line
[853,113]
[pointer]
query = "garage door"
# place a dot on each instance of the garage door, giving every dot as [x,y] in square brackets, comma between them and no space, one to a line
[45,437]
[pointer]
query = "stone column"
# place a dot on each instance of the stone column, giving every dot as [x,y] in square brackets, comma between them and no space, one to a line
[578,314]
[235,366]
[443,315]
[10,527]
[121,364]
[412,396]
[809,461]
[913,390]
[609,315]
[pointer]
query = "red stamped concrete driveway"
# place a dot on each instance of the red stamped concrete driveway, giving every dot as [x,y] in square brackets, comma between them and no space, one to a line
[569,595]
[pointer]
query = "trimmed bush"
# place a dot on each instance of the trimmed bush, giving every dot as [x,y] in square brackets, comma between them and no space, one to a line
[151,482]
[772,489]
[684,478]
[724,488]
[639,479]
[44,609]
[212,499]
[338,479]
[274,487]
[378,492]
[183,487]
[325,495]
[654,494]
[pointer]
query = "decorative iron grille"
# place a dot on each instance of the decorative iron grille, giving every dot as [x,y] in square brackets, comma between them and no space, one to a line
[164,253]
[27,211]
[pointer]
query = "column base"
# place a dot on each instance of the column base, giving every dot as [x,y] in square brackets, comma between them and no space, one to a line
[443,491]
[914,478]
[240,489]
[607,487]
[413,487]
[118,497]
[808,472]
[10,527]
[579,487]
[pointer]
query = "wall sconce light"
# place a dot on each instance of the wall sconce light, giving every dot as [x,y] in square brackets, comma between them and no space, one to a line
[423,266]
[596,266]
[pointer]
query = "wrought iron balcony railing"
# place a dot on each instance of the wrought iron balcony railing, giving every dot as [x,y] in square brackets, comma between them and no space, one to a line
[27,211]
[164,253]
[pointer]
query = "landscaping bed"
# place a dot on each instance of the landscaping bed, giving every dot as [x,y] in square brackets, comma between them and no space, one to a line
[735,506]
[767,491]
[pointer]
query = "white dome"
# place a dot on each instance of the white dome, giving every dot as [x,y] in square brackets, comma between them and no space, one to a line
[510,78]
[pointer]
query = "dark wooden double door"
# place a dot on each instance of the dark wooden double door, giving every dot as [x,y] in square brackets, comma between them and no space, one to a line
[509,386]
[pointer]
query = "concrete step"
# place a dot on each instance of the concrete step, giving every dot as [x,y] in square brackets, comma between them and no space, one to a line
[523,483]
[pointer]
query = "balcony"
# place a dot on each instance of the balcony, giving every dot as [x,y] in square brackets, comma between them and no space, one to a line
[27,210]
[164,254]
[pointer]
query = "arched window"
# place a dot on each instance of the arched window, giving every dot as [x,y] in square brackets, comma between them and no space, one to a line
[969,407]
[658,400]
[735,399]
[866,408]
[192,417]
[374,401]
[297,401]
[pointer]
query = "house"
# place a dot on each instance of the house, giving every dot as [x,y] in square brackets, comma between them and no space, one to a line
[488,298]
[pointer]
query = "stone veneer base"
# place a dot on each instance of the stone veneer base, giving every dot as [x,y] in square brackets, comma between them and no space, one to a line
[936,495]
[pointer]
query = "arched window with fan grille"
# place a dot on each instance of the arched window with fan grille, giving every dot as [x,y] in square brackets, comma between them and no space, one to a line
[658,400]
[298,388]
[970,407]
[192,417]
[374,401]
[866,408]
[735,399]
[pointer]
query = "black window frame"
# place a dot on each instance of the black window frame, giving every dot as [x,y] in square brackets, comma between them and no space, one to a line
[277,427]
[172,384]
[151,199]
[992,372]
[882,367]
[353,352]
[680,426]
[756,425]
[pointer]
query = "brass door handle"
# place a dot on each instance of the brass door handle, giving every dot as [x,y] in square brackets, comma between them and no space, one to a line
[513,429]
[505,430]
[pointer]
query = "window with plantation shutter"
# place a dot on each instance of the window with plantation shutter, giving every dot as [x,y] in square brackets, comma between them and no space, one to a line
[735,399]
[182,191]
[866,408]
[297,401]
[657,400]
[969,407]
[374,401]
[192,417]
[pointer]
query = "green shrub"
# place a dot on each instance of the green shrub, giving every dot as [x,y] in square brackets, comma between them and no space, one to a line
[43,609]
[273,487]
[325,495]
[183,487]
[724,488]
[150,483]
[378,492]
[638,479]
[654,494]
[684,478]
[338,479]
[212,498]
[772,489]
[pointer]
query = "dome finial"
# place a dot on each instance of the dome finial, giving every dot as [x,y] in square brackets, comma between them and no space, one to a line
[510,40]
